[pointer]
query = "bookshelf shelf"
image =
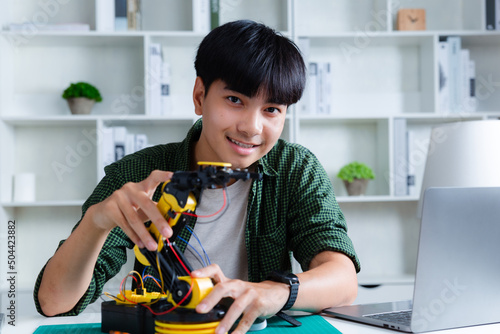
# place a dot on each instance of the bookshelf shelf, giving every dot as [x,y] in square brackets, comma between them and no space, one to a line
[43,204]
[379,76]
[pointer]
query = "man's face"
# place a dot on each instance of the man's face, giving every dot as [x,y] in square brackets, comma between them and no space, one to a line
[236,128]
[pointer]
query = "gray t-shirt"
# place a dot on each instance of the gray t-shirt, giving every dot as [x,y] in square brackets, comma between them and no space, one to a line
[222,235]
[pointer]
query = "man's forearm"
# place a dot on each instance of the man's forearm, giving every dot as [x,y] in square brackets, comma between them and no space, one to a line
[331,281]
[68,273]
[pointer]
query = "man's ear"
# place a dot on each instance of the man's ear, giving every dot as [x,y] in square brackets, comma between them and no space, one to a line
[198,96]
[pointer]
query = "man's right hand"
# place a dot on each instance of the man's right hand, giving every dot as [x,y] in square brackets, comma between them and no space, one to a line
[130,207]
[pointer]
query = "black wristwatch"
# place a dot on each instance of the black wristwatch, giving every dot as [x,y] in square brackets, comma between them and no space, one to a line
[290,279]
[293,282]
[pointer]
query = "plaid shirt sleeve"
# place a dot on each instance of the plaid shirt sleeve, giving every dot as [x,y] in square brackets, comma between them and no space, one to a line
[293,211]
[132,168]
[112,256]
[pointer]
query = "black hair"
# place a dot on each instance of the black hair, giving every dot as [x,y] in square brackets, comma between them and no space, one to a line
[252,58]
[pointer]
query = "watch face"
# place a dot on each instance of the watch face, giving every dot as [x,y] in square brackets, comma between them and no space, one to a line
[279,276]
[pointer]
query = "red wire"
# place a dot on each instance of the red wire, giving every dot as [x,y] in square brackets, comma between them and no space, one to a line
[180,261]
[149,308]
[178,258]
[210,215]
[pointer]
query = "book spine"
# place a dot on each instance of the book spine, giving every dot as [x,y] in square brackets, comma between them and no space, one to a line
[129,143]
[497,15]
[312,88]
[444,77]
[464,80]
[108,154]
[455,44]
[327,87]
[472,86]
[154,79]
[490,14]
[133,14]
[166,98]
[201,16]
[119,141]
[120,15]
[411,179]
[214,13]
[141,141]
[400,158]
[105,14]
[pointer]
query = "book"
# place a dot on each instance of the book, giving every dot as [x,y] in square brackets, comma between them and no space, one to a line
[134,15]
[490,14]
[154,79]
[324,86]
[121,15]
[444,77]
[107,153]
[201,16]
[129,143]
[166,97]
[412,162]
[119,142]
[464,80]
[400,172]
[214,13]
[105,14]
[141,141]
[472,86]
[497,14]
[312,88]
[454,59]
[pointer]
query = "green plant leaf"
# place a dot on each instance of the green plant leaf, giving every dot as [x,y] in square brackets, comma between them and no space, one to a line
[82,89]
[355,170]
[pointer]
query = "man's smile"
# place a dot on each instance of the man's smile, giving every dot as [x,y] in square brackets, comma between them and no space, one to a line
[240,144]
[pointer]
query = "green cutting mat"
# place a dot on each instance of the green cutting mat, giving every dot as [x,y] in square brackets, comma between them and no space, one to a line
[70,329]
[275,325]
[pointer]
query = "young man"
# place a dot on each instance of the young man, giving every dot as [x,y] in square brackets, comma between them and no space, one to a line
[247,77]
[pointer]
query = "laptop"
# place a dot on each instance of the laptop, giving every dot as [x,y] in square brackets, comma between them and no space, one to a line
[457,279]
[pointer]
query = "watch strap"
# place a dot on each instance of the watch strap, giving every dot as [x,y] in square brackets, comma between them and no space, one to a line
[294,322]
[294,290]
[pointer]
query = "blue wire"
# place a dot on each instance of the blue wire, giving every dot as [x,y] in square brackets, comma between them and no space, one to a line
[199,242]
[194,249]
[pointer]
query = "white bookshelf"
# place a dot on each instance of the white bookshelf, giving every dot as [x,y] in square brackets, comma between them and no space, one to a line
[380,75]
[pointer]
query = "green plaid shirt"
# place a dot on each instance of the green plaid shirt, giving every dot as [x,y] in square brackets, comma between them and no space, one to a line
[293,209]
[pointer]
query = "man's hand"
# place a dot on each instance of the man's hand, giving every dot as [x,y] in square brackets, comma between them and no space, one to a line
[251,300]
[130,207]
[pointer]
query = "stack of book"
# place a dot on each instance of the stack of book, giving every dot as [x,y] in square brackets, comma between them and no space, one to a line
[118,142]
[159,77]
[123,15]
[457,72]
[407,157]
[319,89]
[118,15]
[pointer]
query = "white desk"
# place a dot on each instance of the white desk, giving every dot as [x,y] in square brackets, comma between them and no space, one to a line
[26,325]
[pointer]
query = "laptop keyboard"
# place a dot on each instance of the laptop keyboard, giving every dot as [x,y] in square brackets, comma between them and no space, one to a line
[399,317]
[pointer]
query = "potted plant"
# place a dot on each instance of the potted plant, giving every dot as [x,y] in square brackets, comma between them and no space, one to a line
[356,176]
[81,97]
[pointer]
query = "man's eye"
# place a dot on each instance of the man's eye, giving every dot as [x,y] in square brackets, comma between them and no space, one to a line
[234,99]
[273,110]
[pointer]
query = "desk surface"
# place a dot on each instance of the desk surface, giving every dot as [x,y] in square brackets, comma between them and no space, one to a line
[30,324]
